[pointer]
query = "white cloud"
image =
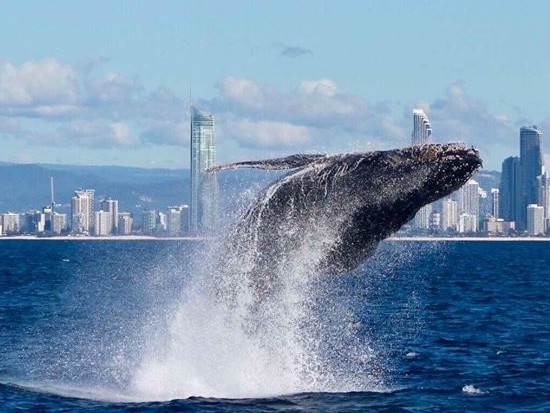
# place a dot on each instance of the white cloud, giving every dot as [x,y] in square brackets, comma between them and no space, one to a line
[48,102]
[267,134]
[95,134]
[243,92]
[43,83]
[112,87]
[166,133]
[319,87]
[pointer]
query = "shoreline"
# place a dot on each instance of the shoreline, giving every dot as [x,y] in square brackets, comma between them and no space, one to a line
[108,238]
[197,239]
[470,239]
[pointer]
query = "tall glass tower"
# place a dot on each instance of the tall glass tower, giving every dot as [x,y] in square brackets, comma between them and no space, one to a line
[531,166]
[422,129]
[204,186]
[509,189]
[421,134]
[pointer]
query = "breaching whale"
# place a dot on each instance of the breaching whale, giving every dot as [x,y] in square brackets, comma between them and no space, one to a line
[336,209]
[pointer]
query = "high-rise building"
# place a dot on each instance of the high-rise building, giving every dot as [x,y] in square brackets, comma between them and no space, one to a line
[111,206]
[467,223]
[82,211]
[422,129]
[103,223]
[421,134]
[535,220]
[495,203]
[176,216]
[204,186]
[509,189]
[422,217]
[149,221]
[544,193]
[531,163]
[125,222]
[449,215]
[11,223]
[470,193]
[59,223]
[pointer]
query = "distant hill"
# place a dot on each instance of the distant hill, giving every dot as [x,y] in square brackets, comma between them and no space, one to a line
[27,186]
[487,179]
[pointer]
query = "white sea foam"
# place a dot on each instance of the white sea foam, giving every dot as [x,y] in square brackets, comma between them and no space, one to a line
[225,339]
[471,389]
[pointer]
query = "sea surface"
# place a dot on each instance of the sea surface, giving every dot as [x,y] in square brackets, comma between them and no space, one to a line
[113,325]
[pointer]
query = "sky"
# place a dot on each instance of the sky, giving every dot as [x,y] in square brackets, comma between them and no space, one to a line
[110,82]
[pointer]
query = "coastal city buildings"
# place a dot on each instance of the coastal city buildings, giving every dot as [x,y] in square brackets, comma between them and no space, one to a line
[204,186]
[520,206]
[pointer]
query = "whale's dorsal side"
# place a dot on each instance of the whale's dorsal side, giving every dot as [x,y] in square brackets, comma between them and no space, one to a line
[288,162]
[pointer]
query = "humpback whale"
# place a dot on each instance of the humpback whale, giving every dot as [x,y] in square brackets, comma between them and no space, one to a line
[336,209]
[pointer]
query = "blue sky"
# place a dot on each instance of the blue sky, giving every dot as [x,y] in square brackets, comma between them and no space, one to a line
[109,82]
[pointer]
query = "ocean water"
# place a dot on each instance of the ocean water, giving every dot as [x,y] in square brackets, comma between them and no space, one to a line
[113,325]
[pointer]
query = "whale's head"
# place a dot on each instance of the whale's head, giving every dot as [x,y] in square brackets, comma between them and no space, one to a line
[432,171]
[381,191]
[404,180]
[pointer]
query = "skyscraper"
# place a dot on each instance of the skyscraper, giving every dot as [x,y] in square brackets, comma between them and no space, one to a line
[509,189]
[470,192]
[422,129]
[82,211]
[535,220]
[449,215]
[421,134]
[111,206]
[495,202]
[531,163]
[204,186]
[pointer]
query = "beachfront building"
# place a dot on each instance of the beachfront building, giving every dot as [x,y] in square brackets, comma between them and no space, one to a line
[10,223]
[176,220]
[82,211]
[59,223]
[449,215]
[204,186]
[471,194]
[467,223]
[497,226]
[111,206]
[125,222]
[149,221]
[535,220]
[103,223]
[422,217]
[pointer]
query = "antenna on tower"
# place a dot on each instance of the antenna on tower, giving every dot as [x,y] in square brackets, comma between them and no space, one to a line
[51,193]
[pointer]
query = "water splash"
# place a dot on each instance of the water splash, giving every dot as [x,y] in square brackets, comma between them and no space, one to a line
[229,337]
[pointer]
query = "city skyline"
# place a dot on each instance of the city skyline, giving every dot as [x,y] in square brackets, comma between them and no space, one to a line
[94,90]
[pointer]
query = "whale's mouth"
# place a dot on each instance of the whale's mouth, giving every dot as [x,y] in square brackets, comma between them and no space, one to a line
[457,156]
[463,159]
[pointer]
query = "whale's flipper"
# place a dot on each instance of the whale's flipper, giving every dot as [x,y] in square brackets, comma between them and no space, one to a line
[288,162]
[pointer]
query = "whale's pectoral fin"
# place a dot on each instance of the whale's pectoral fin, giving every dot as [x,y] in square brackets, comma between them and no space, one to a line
[289,162]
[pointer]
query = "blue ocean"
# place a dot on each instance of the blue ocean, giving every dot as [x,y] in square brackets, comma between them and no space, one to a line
[132,325]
